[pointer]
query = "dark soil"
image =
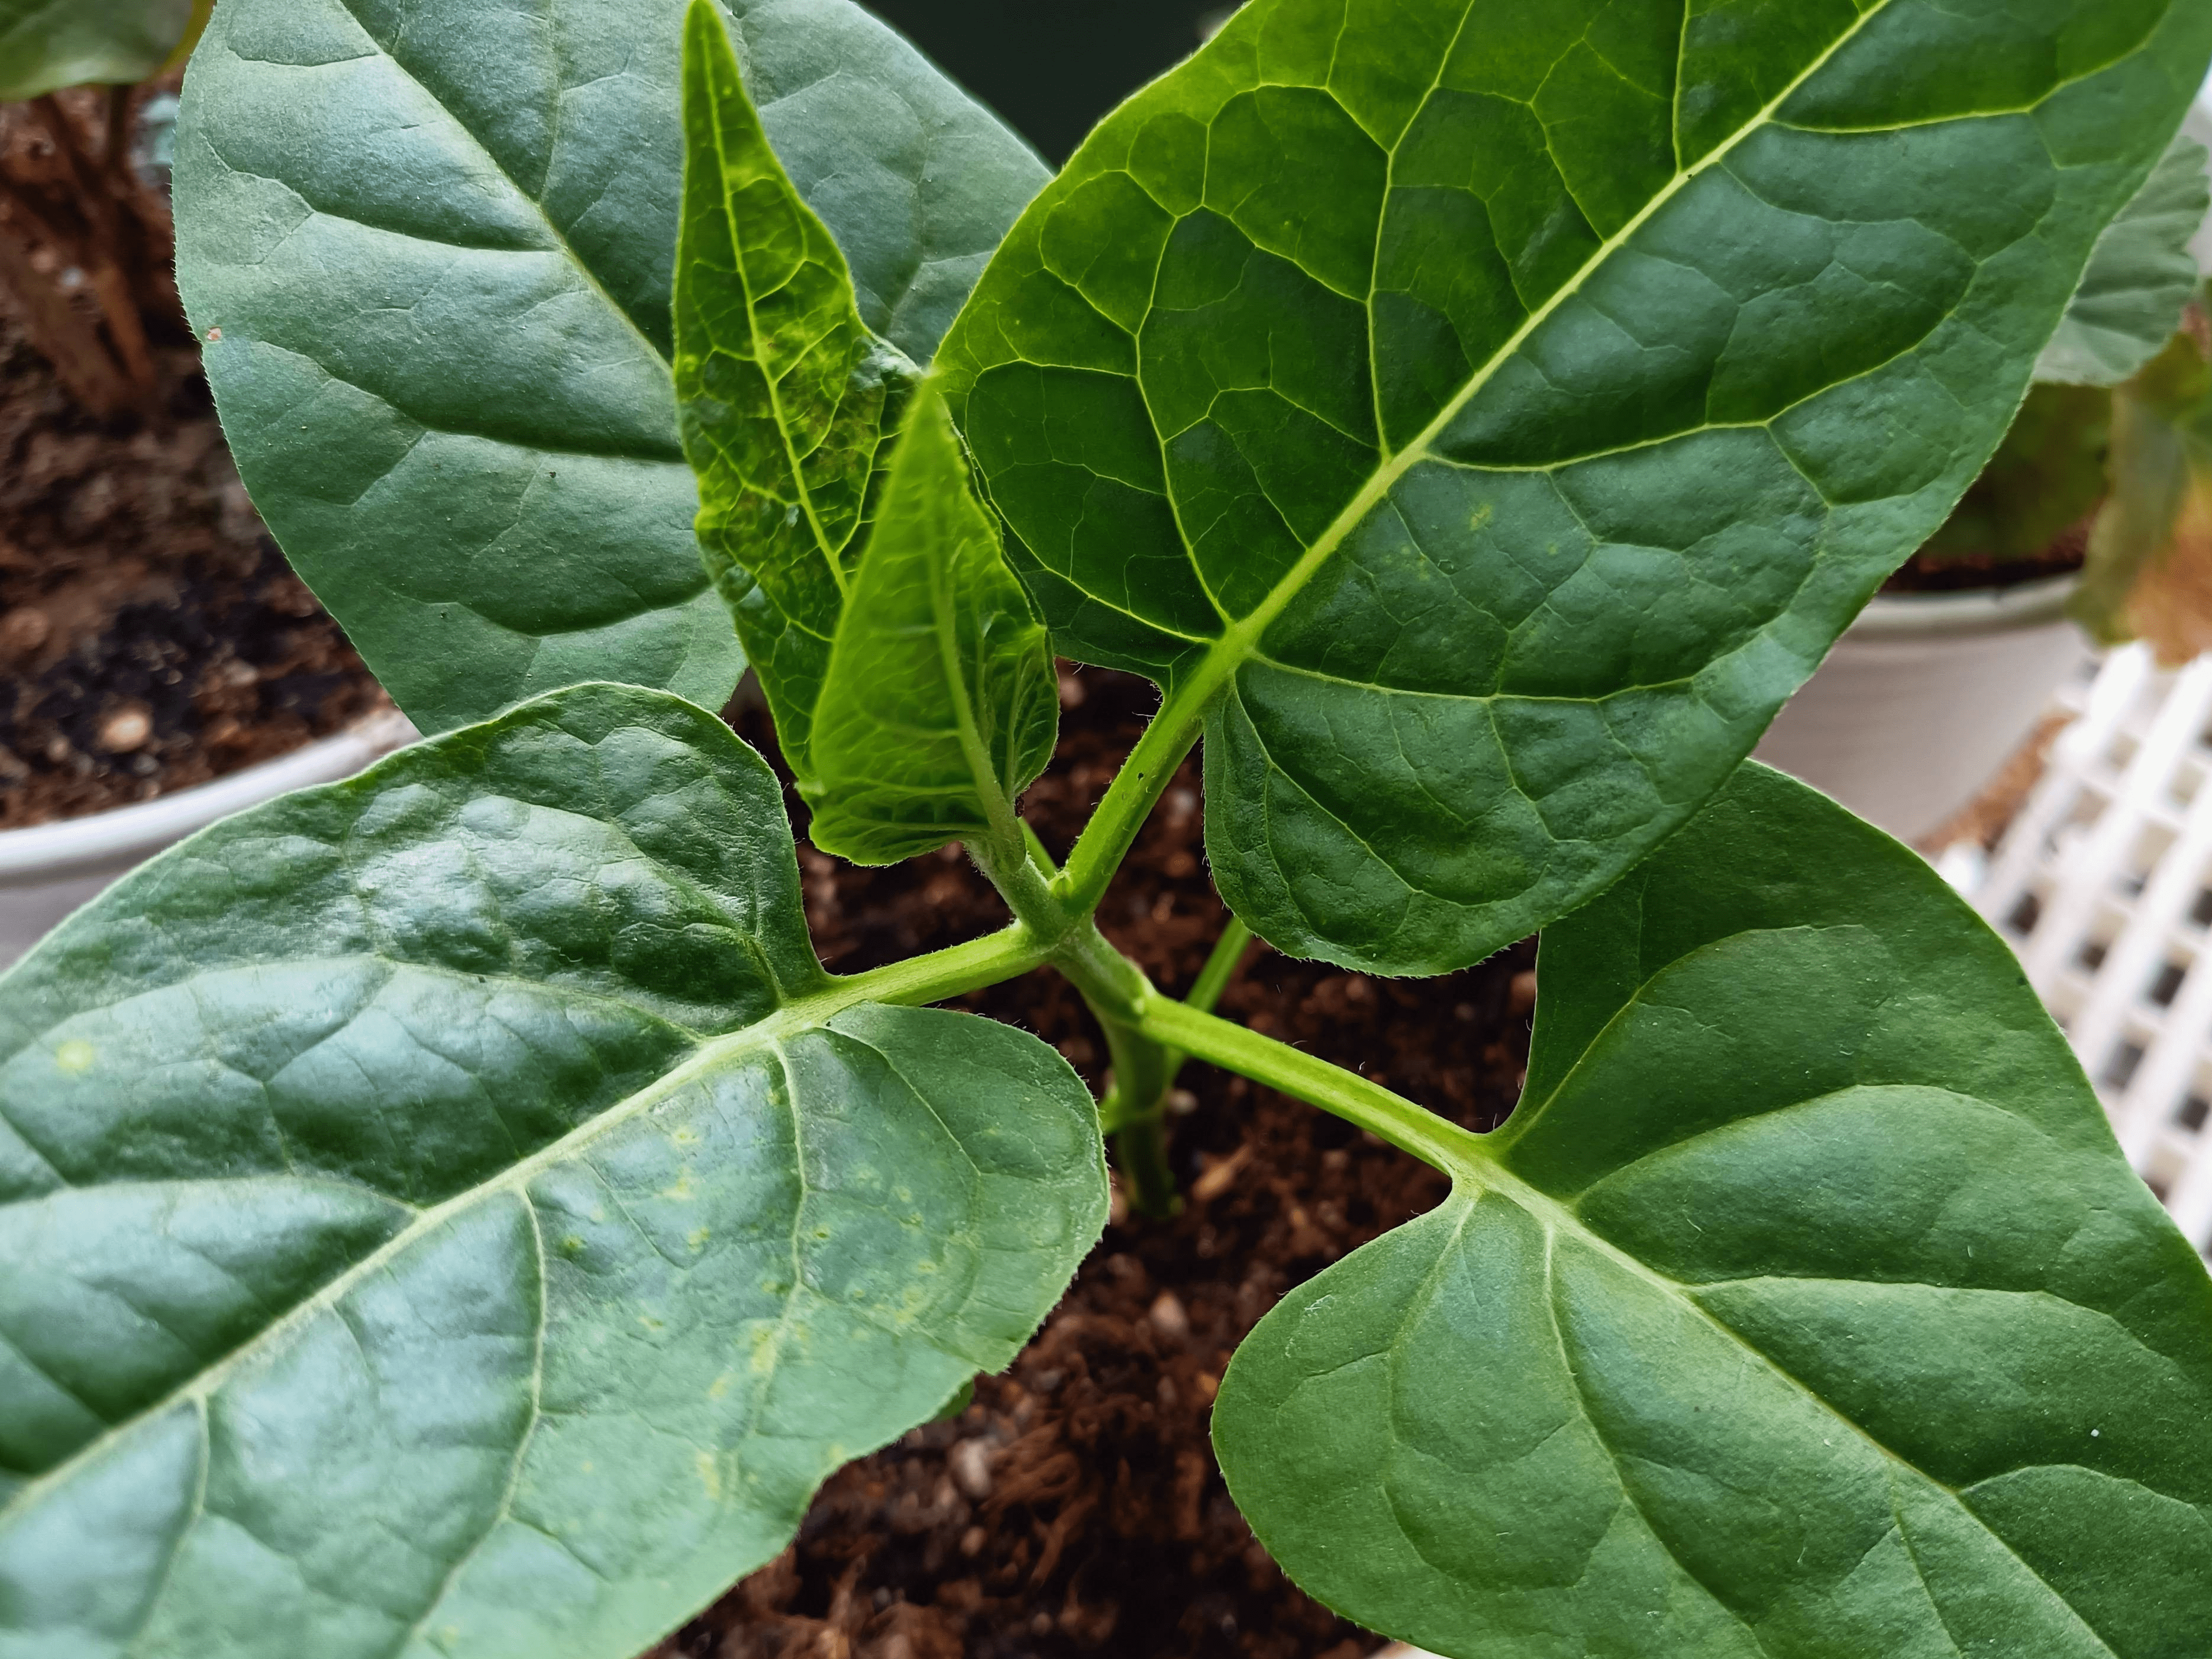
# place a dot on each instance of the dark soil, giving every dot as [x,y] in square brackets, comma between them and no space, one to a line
[1074,1508]
[1955,573]
[151,637]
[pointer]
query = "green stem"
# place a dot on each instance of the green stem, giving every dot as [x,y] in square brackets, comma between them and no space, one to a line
[1220,967]
[1136,789]
[1038,856]
[1116,991]
[1388,1116]
[947,973]
[1212,979]
[1149,1035]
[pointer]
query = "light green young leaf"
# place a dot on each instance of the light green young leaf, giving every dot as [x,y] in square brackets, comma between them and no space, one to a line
[452,1212]
[436,239]
[1805,1309]
[2140,275]
[787,398]
[941,704]
[46,45]
[1489,414]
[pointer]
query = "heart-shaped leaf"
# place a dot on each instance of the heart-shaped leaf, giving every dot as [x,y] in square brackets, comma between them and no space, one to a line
[452,1212]
[48,44]
[429,247]
[940,706]
[2140,275]
[1489,414]
[1805,1309]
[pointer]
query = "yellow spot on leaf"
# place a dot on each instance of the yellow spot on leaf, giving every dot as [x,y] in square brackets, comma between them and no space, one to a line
[684,1135]
[721,1385]
[710,1474]
[682,1190]
[697,1237]
[76,1055]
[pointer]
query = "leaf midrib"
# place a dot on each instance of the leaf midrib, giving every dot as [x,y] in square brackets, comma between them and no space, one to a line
[559,237]
[1229,650]
[1558,1219]
[790,1021]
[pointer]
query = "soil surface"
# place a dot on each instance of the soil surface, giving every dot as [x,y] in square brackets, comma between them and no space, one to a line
[1954,573]
[1074,1507]
[151,635]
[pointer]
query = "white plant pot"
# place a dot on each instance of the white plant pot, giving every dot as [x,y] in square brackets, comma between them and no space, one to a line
[50,869]
[1923,698]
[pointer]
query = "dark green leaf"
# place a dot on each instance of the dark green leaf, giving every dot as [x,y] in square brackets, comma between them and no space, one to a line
[940,706]
[2139,277]
[1805,1309]
[452,1212]
[1491,413]
[49,43]
[436,240]
[787,396]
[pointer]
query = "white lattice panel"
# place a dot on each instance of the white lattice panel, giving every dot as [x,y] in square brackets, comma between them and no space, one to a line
[2103,884]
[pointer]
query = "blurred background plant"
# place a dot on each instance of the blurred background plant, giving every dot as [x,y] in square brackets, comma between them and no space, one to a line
[85,239]
[2108,466]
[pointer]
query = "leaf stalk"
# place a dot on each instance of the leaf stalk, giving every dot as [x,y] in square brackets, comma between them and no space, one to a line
[1410,1127]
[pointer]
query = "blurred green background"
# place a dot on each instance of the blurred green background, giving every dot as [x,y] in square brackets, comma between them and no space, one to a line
[1053,67]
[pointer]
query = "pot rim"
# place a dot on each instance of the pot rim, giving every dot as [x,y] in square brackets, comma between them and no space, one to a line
[43,853]
[1967,611]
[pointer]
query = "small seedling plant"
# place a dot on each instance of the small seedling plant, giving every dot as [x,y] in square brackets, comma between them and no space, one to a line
[454,1212]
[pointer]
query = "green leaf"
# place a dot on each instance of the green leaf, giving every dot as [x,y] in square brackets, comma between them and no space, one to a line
[452,1212]
[436,241]
[1489,415]
[941,705]
[917,181]
[786,397]
[2140,275]
[49,43]
[1805,1309]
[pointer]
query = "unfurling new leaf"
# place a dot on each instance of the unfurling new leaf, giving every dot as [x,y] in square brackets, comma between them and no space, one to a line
[940,706]
[787,396]
[1488,415]
[452,1212]
[1805,1309]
